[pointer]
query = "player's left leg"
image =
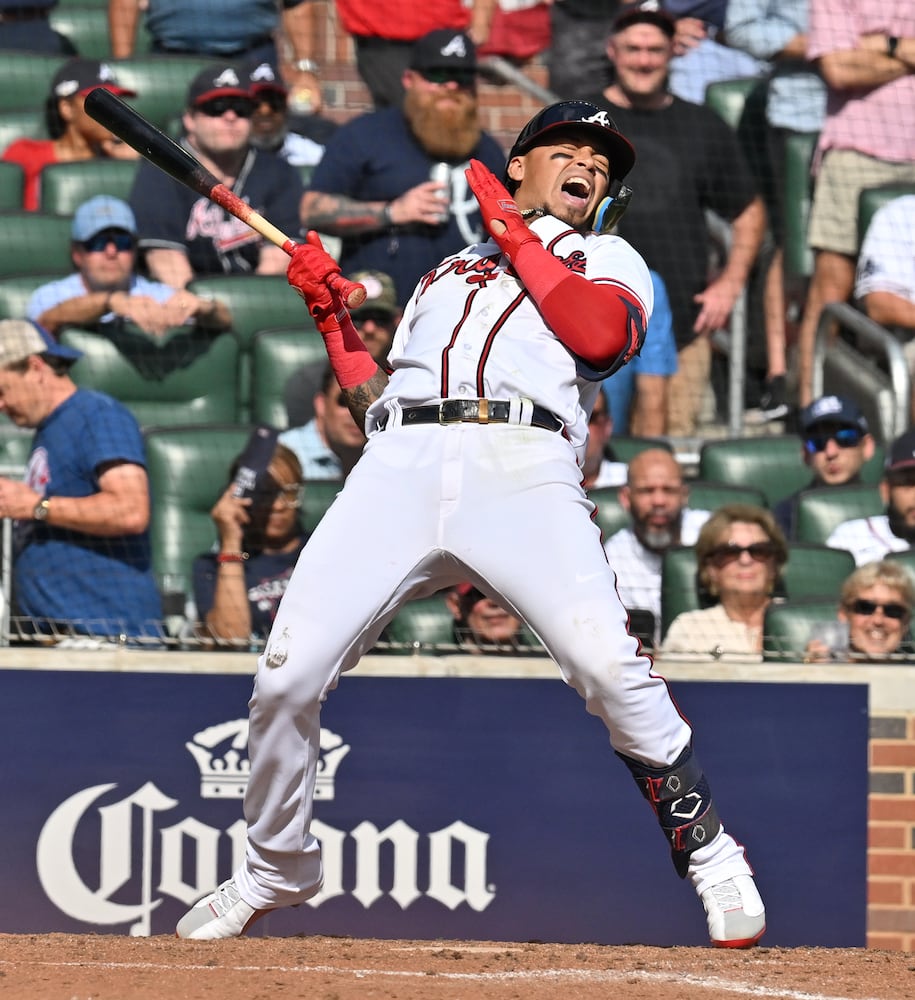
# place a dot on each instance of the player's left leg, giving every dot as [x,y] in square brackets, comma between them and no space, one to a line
[543,554]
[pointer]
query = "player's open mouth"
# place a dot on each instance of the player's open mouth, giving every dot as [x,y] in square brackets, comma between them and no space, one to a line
[577,189]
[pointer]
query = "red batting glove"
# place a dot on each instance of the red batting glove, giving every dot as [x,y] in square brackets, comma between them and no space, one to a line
[501,215]
[308,271]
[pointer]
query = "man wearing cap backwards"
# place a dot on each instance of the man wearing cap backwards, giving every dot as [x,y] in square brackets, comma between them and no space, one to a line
[184,235]
[74,134]
[473,467]
[82,553]
[104,289]
[836,444]
[372,187]
[870,538]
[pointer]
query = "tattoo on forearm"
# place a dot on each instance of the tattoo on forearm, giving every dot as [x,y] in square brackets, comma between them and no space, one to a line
[360,397]
[339,215]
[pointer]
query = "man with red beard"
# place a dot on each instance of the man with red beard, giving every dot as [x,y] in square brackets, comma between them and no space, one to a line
[372,187]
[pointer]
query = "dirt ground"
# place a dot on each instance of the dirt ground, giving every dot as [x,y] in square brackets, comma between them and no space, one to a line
[95,967]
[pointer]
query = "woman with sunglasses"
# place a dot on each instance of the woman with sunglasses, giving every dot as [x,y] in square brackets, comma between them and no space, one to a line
[875,612]
[740,552]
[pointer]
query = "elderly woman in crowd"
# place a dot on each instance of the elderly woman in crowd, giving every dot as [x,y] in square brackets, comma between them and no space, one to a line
[740,553]
[875,612]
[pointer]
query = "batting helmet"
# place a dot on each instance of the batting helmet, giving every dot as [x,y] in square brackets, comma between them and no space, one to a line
[582,115]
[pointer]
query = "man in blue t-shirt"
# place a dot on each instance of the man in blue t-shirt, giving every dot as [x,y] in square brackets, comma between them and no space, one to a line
[372,187]
[82,560]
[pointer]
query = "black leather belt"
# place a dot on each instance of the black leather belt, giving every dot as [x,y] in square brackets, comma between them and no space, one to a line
[477,411]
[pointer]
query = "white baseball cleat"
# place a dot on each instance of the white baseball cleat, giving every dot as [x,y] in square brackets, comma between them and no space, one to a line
[736,915]
[222,914]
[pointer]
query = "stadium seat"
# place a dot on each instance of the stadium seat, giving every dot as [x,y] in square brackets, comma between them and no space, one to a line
[21,123]
[86,26]
[160,81]
[610,515]
[31,243]
[820,511]
[275,356]
[203,391]
[815,570]
[15,292]
[679,585]
[15,445]
[27,79]
[788,626]
[188,470]
[425,621]
[625,448]
[704,495]
[12,182]
[907,558]
[770,464]
[874,198]
[728,98]
[257,302]
[317,496]
[798,189]
[63,187]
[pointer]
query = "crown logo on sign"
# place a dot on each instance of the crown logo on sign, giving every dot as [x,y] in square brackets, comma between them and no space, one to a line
[221,754]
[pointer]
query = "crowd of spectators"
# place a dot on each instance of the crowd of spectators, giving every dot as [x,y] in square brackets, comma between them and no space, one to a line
[389,185]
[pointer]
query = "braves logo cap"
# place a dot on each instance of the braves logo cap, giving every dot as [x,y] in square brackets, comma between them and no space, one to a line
[222,80]
[444,48]
[21,338]
[645,12]
[837,410]
[582,115]
[265,76]
[79,76]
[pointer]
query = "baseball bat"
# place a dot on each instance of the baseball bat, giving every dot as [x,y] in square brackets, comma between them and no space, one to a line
[154,145]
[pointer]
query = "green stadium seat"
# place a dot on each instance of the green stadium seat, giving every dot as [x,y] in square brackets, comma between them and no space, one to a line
[820,511]
[27,79]
[160,82]
[63,187]
[874,198]
[625,448]
[275,356]
[728,98]
[188,471]
[907,558]
[12,182]
[679,585]
[15,446]
[203,391]
[86,26]
[770,464]
[21,123]
[317,496]
[798,190]
[31,243]
[704,495]
[16,291]
[610,515]
[426,621]
[788,626]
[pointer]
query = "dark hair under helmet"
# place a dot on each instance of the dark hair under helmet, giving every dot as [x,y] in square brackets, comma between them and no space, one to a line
[582,115]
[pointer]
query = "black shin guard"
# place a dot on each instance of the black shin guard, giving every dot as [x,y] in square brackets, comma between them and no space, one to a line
[680,797]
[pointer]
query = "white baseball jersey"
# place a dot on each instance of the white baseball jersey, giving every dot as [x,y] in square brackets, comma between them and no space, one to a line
[867,538]
[887,259]
[495,343]
[429,505]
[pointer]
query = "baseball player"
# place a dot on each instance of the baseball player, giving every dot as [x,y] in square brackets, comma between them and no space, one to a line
[475,441]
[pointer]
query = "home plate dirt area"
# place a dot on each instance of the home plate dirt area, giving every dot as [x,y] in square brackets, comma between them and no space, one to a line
[96,967]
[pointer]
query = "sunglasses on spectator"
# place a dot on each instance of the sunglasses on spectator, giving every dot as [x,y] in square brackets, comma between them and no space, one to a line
[274,99]
[99,243]
[218,106]
[466,78]
[844,437]
[377,316]
[724,555]
[866,608]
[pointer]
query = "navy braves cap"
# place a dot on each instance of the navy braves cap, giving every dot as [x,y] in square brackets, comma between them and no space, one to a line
[444,48]
[838,410]
[221,80]
[581,114]
[902,452]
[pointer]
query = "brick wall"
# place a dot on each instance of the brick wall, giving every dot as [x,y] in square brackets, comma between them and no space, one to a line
[504,109]
[891,833]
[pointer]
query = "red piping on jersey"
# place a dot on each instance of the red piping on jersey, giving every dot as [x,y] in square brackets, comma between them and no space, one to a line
[593,321]
[467,304]
[487,346]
